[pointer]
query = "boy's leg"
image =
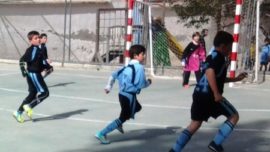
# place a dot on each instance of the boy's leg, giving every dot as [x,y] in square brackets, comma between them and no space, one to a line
[39,99]
[198,75]
[124,115]
[185,136]
[226,128]
[32,94]
[41,87]
[186,76]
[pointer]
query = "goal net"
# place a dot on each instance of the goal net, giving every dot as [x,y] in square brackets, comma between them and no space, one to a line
[164,51]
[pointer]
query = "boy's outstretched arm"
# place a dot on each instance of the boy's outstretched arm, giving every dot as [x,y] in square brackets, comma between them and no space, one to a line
[109,85]
[210,75]
[240,77]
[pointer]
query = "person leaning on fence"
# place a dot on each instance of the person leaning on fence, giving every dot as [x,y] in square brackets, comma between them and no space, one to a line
[265,55]
[131,79]
[193,56]
[207,96]
[36,63]
[252,54]
[204,33]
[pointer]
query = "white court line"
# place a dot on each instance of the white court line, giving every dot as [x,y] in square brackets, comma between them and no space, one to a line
[74,98]
[82,75]
[8,69]
[7,74]
[249,88]
[140,124]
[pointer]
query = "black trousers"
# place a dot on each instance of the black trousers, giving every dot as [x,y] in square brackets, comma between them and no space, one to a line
[36,84]
[186,76]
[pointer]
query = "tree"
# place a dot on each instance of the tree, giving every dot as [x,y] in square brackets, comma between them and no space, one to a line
[265,18]
[199,12]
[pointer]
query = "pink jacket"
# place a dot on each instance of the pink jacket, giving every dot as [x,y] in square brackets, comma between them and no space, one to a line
[195,59]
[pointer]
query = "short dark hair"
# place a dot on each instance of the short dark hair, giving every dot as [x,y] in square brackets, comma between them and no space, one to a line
[43,35]
[223,37]
[31,34]
[203,31]
[196,34]
[136,50]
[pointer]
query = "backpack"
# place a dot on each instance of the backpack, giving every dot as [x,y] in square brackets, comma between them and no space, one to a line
[133,72]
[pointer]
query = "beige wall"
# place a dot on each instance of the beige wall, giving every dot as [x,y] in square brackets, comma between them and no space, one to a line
[17,20]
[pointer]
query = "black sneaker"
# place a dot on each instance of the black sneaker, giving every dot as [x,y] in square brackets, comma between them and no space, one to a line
[215,148]
[120,129]
[171,150]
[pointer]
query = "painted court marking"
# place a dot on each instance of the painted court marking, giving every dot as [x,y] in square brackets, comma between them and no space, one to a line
[82,75]
[140,124]
[114,102]
[7,74]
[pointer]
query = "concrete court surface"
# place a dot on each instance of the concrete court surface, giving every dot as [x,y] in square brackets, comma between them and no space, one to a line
[78,107]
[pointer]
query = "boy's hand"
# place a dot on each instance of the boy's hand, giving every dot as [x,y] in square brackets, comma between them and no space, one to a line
[24,73]
[218,97]
[241,76]
[183,62]
[23,69]
[49,61]
[107,91]
[150,81]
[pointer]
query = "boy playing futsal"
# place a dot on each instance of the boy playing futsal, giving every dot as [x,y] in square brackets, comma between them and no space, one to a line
[36,63]
[43,40]
[207,97]
[131,80]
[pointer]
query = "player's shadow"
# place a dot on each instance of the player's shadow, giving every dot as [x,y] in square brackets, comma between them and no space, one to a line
[145,140]
[162,139]
[61,84]
[143,134]
[61,115]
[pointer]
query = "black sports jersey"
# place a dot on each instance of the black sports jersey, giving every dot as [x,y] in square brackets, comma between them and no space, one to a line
[44,50]
[215,61]
[191,47]
[35,59]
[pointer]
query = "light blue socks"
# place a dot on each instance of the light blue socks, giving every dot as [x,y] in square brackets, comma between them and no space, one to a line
[113,125]
[182,140]
[223,132]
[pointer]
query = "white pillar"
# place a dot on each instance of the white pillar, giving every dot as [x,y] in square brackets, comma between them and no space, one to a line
[257,39]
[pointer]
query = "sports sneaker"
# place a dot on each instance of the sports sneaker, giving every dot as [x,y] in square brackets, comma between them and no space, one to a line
[102,138]
[18,116]
[215,148]
[120,129]
[28,111]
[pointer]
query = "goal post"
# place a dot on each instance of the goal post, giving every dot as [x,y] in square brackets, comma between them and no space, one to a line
[164,50]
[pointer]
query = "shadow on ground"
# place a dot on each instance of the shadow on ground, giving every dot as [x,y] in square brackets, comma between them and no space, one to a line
[61,84]
[161,140]
[61,116]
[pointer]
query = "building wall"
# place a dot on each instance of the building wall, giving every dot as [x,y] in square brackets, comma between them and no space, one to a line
[17,20]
